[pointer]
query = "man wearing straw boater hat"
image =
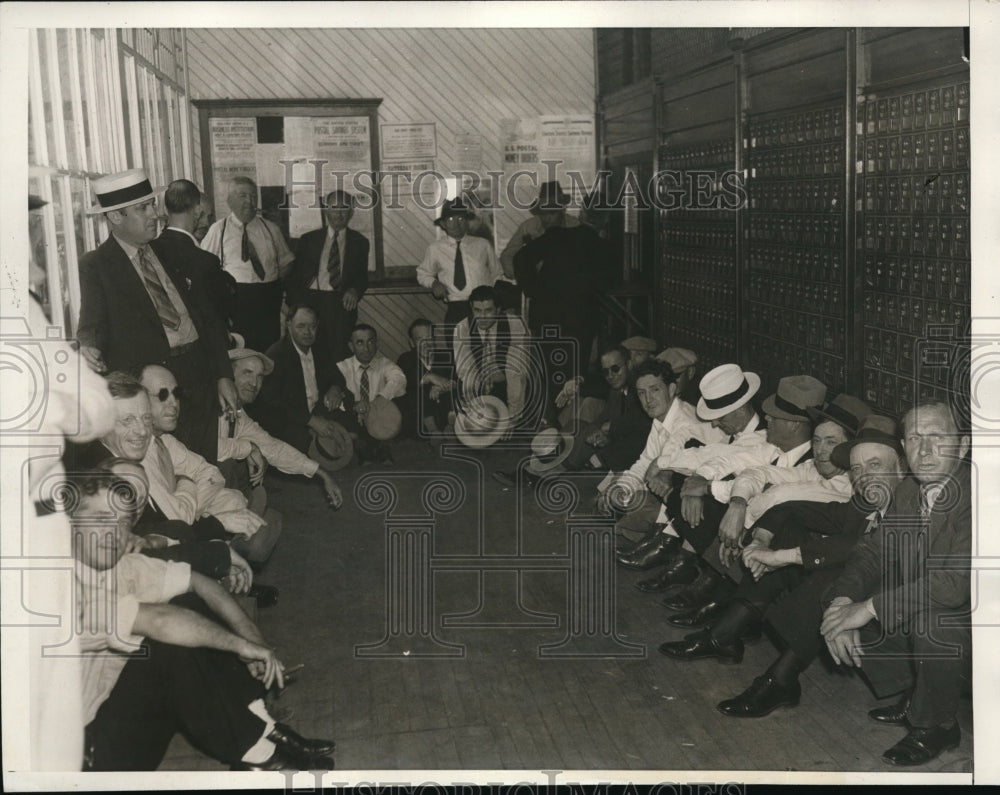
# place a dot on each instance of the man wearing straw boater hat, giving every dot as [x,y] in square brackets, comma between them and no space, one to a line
[139,306]
[698,507]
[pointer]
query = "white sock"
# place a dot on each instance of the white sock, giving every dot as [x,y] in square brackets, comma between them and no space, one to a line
[263,749]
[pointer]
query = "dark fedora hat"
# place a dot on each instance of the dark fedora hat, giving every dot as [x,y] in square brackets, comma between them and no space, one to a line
[551,197]
[845,410]
[454,208]
[875,429]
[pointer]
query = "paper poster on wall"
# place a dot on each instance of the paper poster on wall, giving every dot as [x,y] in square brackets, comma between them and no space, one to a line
[568,140]
[415,141]
[233,143]
[469,155]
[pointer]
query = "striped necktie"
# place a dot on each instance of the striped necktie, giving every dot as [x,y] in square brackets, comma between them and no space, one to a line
[365,387]
[165,308]
[333,263]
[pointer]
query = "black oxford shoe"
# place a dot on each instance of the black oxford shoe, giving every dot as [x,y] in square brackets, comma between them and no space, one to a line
[697,594]
[699,617]
[295,745]
[652,552]
[920,746]
[762,698]
[893,714]
[702,646]
[281,761]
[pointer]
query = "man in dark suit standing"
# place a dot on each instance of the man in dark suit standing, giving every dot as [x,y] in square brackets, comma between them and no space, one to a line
[331,273]
[139,305]
[185,210]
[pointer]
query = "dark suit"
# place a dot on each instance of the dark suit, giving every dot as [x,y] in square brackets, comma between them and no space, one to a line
[335,323]
[918,574]
[626,438]
[118,317]
[283,410]
[184,250]
[825,533]
[417,404]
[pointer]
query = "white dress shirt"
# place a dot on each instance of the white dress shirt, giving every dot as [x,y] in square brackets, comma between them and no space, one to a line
[666,440]
[385,378]
[279,454]
[308,375]
[478,260]
[267,239]
[516,366]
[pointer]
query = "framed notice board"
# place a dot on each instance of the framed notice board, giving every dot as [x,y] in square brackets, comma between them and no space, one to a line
[297,151]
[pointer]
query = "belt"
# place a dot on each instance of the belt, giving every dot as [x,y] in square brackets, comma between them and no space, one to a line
[180,350]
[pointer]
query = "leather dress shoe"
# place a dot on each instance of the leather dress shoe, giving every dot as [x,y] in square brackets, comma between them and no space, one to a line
[700,616]
[651,552]
[762,698]
[266,595]
[699,593]
[295,745]
[893,714]
[702,646]
[282,761]
[681,570]
[920,746]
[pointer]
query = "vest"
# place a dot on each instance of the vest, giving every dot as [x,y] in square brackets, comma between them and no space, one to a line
[502,342]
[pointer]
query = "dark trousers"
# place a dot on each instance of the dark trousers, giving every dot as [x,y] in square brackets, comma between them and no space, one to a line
[257,314]
[790,599]
[417,407]
[335,322]
[702,536]
[201,692]
[932,661]
[198,423]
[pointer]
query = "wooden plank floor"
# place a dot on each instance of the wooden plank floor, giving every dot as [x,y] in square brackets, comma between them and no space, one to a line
[501,704]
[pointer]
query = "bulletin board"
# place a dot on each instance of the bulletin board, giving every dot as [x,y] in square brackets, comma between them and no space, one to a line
[282,146]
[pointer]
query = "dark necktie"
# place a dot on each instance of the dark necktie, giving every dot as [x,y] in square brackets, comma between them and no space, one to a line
[249,252]
[164,307]
[333,263]
[459,279]
[365,385]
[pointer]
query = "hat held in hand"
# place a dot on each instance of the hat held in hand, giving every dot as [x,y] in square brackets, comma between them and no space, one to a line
[383,420]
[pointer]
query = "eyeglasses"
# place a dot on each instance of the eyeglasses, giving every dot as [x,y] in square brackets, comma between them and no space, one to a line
[612,370]
[164,393]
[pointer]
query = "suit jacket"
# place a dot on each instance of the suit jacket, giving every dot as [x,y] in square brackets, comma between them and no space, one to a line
[629,430]
[118,317]
[353,268]
[284,391]
[893,566]
[562,272]
[189,255]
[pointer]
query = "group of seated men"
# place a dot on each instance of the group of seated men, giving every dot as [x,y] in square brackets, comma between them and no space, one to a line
[821,519]
[822,523]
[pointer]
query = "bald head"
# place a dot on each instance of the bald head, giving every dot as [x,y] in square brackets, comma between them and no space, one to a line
[164,397]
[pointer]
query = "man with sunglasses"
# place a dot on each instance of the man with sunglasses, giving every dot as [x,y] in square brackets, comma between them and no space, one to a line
[185,486]
[615,438]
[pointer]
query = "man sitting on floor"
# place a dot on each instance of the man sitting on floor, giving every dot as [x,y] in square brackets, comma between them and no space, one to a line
[637,492]
[427,404]
[374,383]
[696,508]
[905,616]
[290,403]
[245,448]
[807,545]
[491,354]
[205,670]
